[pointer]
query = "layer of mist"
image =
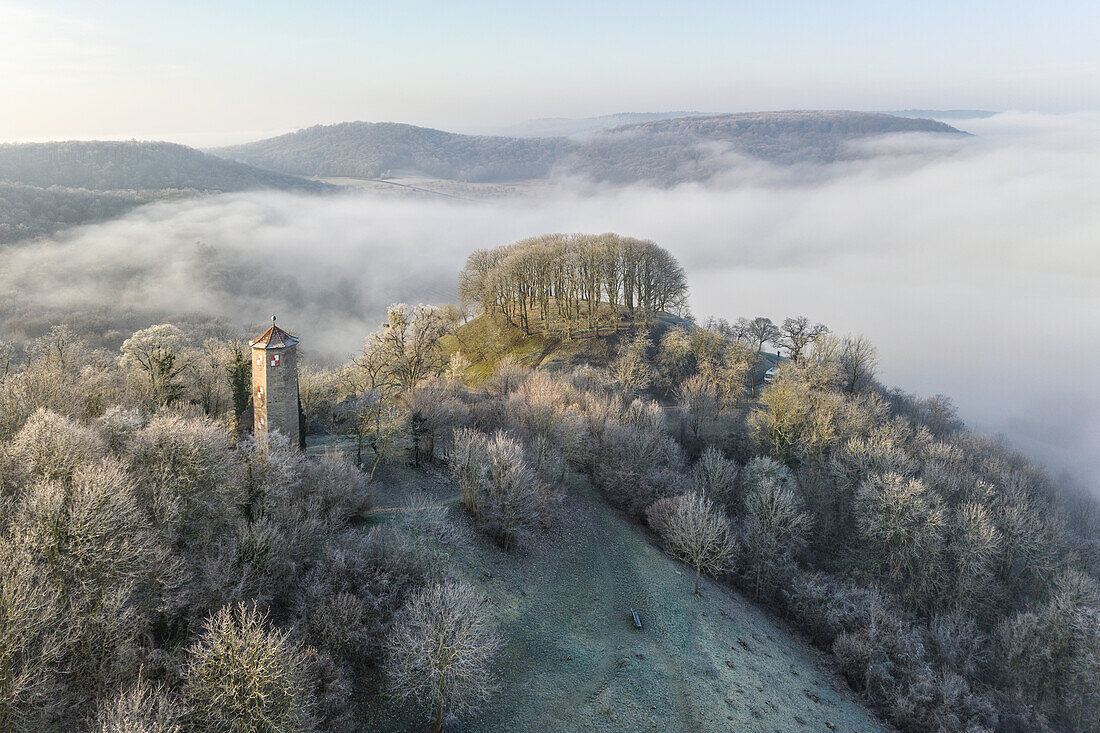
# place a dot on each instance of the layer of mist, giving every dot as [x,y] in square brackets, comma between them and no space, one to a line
[972,264]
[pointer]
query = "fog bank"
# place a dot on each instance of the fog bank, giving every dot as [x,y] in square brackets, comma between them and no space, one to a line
[973,265]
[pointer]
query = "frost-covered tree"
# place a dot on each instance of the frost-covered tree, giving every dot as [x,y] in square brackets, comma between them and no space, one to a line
[696,532]
[776,526]
[716,477]
[243,676]
[441,648]
[158,354]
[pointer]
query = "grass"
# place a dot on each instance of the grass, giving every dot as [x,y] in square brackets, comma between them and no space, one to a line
[573,659]
[490,339]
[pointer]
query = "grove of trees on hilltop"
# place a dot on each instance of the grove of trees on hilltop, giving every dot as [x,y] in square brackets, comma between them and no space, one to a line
[559,283]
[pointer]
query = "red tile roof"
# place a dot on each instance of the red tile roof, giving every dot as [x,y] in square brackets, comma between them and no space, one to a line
[273,338]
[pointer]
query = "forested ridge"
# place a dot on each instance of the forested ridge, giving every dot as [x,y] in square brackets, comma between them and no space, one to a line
[165,571]
[665,151]
[45,187]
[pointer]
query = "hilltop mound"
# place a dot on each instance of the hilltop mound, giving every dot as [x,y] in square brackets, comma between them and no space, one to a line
[489,340]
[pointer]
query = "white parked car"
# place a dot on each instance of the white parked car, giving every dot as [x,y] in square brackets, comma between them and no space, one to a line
[769,376]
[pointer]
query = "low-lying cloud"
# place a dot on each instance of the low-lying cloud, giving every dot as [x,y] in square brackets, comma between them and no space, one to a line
[974,265]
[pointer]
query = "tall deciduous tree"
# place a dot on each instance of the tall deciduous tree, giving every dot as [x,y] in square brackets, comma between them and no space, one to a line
[158,353]
[441,649]
[408,349]
[796,334]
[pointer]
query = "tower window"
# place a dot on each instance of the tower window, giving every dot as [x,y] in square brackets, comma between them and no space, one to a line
[275,359]
[263,424]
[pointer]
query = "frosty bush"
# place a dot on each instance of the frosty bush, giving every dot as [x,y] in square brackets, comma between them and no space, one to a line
[245,677]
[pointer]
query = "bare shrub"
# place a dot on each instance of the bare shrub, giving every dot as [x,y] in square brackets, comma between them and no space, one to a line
[826,607]
[372,575]
[118,426]
[187,478]
[631,371]
[143,708]
[698,399]
[245,677]
[503,493]
[506,378]
[695,532]
[441,648]
[432,534]
[333,489]
[51,447]
[776,526]
[32,639]
[716,477]
[958,644]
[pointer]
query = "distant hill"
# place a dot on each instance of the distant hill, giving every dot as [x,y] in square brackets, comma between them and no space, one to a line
[114,166]
[667,150]
[371,149]
[945,114]
[697,148]
[567,126]
[46,187]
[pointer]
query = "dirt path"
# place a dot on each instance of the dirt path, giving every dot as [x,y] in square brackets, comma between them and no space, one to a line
[575,662]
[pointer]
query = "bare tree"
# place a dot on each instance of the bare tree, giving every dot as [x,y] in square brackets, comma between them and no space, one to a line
[695,532]
[796,334]
[698,399]
[901,523]
[408,347]
[716,476]
[440,650]
[758,331]
[158,352]
[675,361]
[372,418]
[776,526]
[857,361]
[499,488]
[731,378]
[243,676]
[631,369]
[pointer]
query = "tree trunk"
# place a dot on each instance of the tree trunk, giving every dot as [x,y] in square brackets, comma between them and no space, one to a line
[698,573]
[439,717]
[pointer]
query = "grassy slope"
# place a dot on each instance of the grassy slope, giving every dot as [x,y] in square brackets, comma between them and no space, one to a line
[573,660]
[486,341]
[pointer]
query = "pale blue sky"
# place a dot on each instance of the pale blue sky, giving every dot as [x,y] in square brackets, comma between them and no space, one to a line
[208,72]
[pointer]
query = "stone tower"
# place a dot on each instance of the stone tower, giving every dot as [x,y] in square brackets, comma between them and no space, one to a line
[275,383]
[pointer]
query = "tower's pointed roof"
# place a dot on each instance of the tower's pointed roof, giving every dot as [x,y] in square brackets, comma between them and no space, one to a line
[273,338]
